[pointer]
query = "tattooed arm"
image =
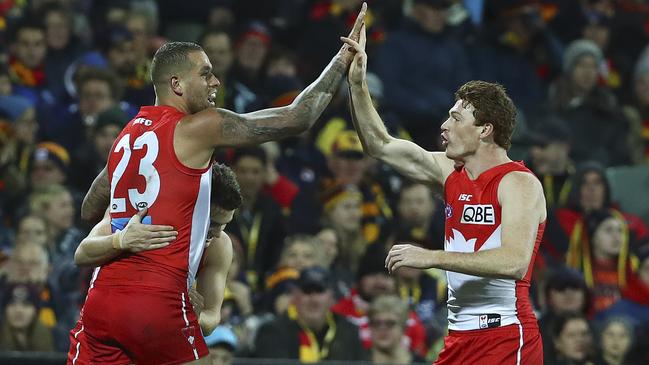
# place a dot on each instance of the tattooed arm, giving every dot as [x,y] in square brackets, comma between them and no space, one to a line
[211,128]
[97,199]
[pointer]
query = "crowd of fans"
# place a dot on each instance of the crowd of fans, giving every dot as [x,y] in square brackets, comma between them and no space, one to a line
[308,280]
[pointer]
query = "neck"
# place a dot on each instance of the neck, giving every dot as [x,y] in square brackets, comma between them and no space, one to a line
[166,100]
[249,201]
[598,254]
[317,325]
[612,359]
[487,156]
[21,337]
[396,355]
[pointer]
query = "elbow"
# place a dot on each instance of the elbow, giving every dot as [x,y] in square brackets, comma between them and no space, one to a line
[79,258]
[517,272]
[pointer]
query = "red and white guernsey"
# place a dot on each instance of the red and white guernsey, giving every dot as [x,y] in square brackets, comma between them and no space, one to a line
[473,223]
[144,171]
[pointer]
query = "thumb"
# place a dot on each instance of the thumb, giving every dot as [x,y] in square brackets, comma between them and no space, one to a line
[137,218]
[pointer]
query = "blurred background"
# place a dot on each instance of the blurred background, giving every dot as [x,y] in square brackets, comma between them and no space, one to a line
[318,215]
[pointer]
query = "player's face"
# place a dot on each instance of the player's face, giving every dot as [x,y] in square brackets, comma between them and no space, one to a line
[200,83]
[219,218]
[460,135]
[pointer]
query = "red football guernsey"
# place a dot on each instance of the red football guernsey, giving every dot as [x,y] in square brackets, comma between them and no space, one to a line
[144,171]
[473,223]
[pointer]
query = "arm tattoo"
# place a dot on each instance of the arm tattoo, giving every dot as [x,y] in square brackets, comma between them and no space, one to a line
[271,124]
[97,199]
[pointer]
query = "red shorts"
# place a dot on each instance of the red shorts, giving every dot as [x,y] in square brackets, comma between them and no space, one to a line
[121,326]
[508,345]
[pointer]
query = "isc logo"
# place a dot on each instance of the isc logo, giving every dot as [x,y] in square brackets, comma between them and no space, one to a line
[465,197]
[478,214]
[144,121]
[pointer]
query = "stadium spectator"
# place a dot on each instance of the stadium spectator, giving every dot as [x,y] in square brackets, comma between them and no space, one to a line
[258,224]
[565,293]
[419,215]
[19,137]
[28,50]
[222,343]
[604,257]
[310,331]
[615,342]
[92,155]
[29,265]
[387,317]
[21,329]
[423,48]
[588,107]
[49,166]
[637,112]
[300,252]
[372,282]
[33,229]
[217,44]
[573,341]
[590,191]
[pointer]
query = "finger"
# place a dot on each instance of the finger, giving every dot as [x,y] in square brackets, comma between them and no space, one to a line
[363,37]
[155,246]
[159,240]
[156,228]
[142,212]
[352,43]
[359,20]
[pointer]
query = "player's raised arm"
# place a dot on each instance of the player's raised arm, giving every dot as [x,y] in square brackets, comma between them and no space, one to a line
[220,127]
[405,156]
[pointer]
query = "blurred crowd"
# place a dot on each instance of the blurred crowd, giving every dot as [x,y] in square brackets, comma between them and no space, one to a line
[308,280]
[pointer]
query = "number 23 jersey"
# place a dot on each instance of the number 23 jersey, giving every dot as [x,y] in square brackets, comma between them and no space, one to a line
[144,171]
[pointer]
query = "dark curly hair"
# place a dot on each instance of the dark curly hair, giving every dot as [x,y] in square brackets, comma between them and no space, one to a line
[226,193]
[492,105]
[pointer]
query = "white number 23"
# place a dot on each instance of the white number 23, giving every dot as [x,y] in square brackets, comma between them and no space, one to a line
[146,169]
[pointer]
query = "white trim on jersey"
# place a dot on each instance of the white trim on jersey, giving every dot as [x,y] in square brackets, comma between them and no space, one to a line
[200,226]
[182,297]
[95,273]
[78,346]
[520,344]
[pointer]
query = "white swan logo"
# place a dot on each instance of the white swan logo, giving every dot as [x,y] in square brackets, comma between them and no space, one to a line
[458,243]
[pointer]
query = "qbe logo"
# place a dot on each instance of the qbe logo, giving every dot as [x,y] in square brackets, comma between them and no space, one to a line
[478,214]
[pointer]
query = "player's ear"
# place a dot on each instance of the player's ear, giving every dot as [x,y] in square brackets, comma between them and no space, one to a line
[487,129]
[176,86]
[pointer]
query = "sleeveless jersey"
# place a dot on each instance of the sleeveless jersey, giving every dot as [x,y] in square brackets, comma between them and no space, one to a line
[473,217]
[144,171]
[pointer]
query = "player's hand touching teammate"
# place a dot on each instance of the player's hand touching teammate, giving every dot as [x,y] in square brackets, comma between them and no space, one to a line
[138,237]
[358,67]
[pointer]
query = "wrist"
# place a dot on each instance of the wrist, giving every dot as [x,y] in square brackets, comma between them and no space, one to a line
[433,258]
[117,241]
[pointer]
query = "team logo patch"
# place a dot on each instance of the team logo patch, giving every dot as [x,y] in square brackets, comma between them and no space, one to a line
[448,210]
[190,335]
[478,214]
[489,320]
